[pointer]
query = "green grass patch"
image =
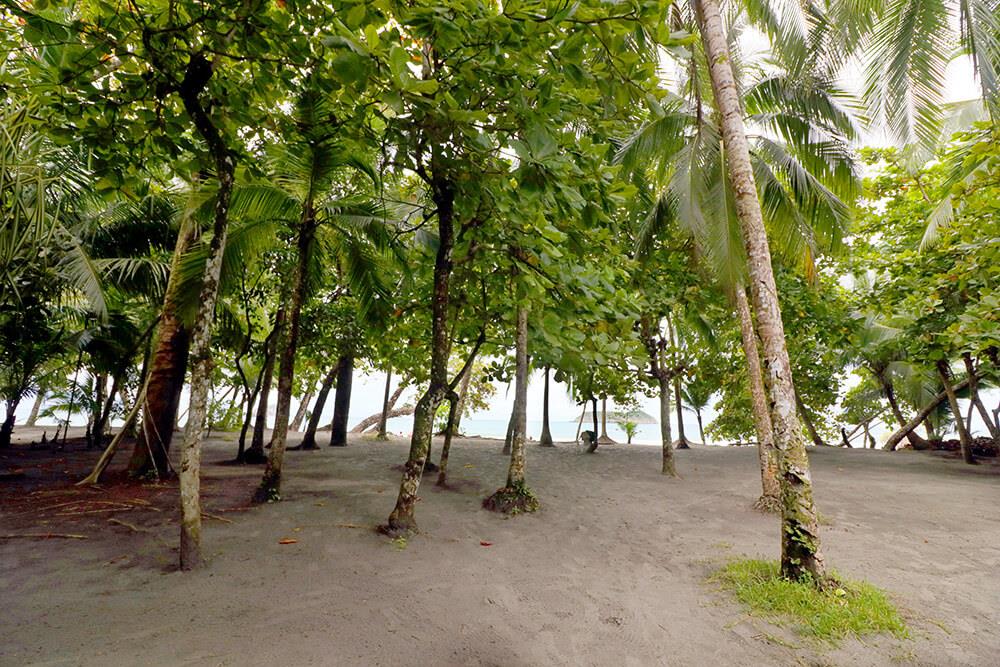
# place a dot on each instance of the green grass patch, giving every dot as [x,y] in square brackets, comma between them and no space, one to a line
[847,608]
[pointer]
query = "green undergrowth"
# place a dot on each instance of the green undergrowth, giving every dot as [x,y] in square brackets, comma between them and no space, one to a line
[847,608]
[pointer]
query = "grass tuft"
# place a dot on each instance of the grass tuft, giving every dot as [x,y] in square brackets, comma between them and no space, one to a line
[845,609]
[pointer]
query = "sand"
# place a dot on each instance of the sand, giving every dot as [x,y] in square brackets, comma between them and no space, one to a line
[612,571]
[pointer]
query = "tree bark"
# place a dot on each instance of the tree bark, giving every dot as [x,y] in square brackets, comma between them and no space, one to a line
[546,438]
[376,419]
[201,335]
[35,407]
[963,436]
[682,441]
[7,429]
[800,543]
[300,414]
[973,376]
[402,520]
[921,417]
[515,472]
[342,402]
[256,452]
[890,395]
[593,445]
[167,367]
[807,420]
[288,340]
[449,432]
[508,440]
[309,438]
[667,467]
[463,392]
[383,422]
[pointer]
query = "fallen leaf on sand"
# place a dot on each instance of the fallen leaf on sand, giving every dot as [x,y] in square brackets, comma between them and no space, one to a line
[484,543]
[287,540]
[468,465]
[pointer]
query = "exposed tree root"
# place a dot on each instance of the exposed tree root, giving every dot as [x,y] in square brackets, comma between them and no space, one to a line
[512,500]
[42,536]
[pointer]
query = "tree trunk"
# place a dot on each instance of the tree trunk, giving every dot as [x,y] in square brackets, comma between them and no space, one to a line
[508,440]
[251,401]
[800,544]
[101,423]
[35,407]
[682,441]
[463,391]
[593,444]
[342,402]
[668,466]
[383,422]
[309,439]
[515,472]
[375,419]
[701,426]
[288,341]
[546,438]
[921,418]
[256,452]
[7,429]
[890,395]
[449,432]
[973,376]
[401,520]
[579,425]
[605,439]
[300,414]
[963,436]
[201,335]
[167,367]
[807,420]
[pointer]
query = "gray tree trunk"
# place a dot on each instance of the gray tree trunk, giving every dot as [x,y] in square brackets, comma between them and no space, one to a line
[800,543]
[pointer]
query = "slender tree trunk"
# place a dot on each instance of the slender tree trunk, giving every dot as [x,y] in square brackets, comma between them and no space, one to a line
[201,335]
[605,439]
[890,394]
[800,544]
[251,401]
[546,438]
[449,432]
[508,441]
[973,377]
[300,414]
[963,436]
[7,429]
[256,452]
[401,520]
[383,422]
[922,418]
[463,392]
[515,472]
[167,367]
[35,407]
[74,388]
[807,420]
[101,423]
[309,438]
[579,424]
[593,444]
[288,340]
[342,402]
[701,427]
[682,441]
[668,466]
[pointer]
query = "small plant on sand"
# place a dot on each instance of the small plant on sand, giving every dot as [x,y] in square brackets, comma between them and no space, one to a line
[828,613]
[630,428]
[399,542]
[512,500]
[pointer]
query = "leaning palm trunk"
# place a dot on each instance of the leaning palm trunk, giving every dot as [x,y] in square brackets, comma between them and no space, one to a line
[944,372]
[35,407]
[546,438]
[401,520]
[270,485]
[166,373]
[973,374]
[770,497]
[800,545]
[300,415]
[309,439]
[342,402]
